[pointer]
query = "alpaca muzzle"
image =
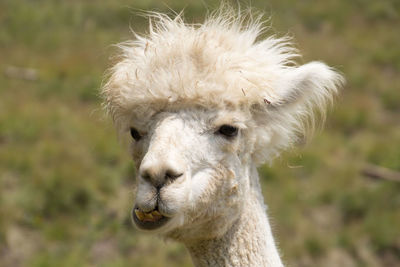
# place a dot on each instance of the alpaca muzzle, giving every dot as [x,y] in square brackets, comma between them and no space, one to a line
[148,220]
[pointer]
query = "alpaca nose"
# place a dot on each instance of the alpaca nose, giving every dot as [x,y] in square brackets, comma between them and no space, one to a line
[158,173]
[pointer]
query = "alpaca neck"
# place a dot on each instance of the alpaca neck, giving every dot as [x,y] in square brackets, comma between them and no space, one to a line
[248,242]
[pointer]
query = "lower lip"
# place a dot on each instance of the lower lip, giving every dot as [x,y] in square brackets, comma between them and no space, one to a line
[147,225]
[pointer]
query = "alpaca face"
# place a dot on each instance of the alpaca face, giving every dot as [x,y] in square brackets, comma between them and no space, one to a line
[192,171]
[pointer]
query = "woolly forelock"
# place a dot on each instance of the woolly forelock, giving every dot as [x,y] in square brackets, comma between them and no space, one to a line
[219,64]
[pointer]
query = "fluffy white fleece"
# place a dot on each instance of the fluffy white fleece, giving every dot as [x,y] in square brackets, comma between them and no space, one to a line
[224,69]
[223,63]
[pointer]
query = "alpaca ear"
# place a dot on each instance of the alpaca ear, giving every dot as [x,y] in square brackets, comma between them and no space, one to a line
[314,83]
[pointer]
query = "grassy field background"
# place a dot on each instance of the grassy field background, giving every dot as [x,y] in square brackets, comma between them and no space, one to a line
[65,181]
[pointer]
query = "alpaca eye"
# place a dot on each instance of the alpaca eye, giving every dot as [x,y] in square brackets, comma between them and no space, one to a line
[135,134]
[228,130]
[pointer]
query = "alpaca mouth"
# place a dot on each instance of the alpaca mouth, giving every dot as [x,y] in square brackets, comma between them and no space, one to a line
[148,220]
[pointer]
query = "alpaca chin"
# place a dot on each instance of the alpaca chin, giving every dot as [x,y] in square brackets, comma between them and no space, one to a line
[162,230]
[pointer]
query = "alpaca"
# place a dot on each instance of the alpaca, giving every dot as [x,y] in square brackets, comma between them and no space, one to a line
[204,105]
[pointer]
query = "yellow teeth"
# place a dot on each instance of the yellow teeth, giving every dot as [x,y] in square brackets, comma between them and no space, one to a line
[156,213]
[139,214]
[153,216]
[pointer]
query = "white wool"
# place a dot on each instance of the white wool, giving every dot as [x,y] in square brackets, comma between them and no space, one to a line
[221,64]
[177,85]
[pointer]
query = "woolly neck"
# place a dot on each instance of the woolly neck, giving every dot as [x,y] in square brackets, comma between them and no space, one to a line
[249,242]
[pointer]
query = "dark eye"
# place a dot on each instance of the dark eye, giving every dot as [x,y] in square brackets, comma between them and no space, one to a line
[135,134]
[228,130]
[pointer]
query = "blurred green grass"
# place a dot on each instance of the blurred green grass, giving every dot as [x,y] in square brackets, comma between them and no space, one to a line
[65,181]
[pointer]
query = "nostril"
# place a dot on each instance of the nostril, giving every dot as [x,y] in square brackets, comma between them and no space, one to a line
[146,176]
[172,175]
[159,174]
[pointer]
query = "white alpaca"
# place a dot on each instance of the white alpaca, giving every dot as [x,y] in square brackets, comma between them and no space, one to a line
[205,105]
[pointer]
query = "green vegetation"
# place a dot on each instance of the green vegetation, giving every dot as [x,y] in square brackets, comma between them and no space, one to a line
[66,182]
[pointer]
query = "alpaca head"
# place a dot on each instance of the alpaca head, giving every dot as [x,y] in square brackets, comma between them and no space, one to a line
[204,104]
